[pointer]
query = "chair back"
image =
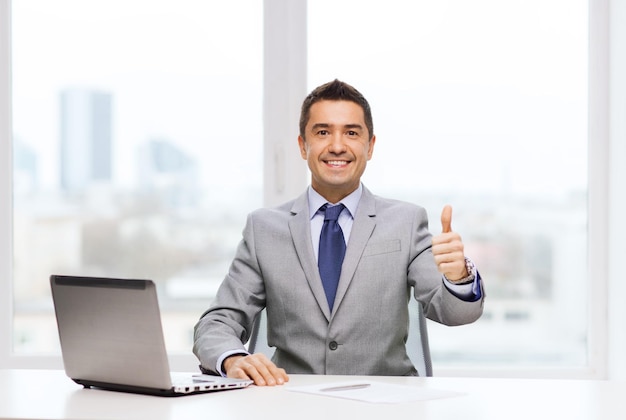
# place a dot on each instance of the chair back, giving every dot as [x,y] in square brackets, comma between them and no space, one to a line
[417,344]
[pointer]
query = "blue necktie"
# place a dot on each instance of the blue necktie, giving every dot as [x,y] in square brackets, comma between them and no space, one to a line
[331,252]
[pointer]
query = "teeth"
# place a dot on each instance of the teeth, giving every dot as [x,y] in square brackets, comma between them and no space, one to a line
[337,162]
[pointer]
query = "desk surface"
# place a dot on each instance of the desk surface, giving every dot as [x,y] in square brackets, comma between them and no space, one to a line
[49,394]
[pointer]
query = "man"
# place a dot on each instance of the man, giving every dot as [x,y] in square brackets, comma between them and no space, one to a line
[359,325]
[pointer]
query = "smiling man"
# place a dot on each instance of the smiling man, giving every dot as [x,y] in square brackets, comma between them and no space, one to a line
[334,268]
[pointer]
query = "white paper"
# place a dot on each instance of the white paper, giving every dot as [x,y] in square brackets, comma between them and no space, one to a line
[375,392]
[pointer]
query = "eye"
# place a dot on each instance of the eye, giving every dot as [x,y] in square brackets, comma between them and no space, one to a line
[322,133]
[352,133]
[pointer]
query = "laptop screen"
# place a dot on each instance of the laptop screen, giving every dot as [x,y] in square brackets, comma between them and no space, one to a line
[110,330]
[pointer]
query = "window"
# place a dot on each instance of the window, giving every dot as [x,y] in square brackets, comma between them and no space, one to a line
[137,148]
[530,214]
[481,105]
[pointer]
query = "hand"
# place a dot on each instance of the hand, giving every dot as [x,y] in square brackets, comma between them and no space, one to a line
[256,367]
[448,249]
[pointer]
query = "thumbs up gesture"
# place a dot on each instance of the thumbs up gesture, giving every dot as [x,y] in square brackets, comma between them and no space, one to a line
[448,249]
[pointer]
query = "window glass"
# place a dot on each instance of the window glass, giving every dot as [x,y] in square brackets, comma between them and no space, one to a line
[137,150]
[482,105]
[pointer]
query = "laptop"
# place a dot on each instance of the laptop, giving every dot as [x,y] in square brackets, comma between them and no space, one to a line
[111,338]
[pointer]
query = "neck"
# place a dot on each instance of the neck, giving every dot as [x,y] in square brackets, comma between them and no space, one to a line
[334,196]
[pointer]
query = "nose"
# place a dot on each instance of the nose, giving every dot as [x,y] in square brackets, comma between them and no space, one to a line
[337,144]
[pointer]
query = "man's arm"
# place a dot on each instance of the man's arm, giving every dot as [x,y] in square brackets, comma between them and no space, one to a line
[226,325]
[220,334]
[446,298]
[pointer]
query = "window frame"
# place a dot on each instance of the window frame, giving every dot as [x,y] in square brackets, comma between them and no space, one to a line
[285,176]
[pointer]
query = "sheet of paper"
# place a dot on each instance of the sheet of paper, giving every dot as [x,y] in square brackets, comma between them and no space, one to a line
[375,392]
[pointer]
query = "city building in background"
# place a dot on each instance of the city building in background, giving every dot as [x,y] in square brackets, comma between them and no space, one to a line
[166,168]
[25,168]
[86,143]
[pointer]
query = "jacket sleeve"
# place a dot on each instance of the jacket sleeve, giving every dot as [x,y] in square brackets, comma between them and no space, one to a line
[227,324]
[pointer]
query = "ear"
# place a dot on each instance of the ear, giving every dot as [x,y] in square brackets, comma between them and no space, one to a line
[371,147]
[303,148]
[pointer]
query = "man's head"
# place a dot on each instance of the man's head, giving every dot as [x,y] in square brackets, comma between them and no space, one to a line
[336,91]
[336,139]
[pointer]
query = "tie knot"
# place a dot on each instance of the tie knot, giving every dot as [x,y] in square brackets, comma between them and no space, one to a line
[332,212]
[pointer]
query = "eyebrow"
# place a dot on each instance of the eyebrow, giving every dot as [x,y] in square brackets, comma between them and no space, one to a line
[326,125]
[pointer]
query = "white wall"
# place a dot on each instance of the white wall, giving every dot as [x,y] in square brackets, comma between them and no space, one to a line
[617,191]
[5,176]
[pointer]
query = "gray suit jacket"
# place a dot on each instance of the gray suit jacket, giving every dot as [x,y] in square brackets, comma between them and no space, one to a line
[388,253]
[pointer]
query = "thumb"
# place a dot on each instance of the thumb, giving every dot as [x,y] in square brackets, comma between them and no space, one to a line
[446,219]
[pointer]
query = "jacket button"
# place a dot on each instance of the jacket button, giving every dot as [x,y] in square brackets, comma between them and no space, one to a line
[332,345]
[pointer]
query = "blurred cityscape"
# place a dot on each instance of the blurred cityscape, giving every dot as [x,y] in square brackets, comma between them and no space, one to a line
[174,230]
[168,228]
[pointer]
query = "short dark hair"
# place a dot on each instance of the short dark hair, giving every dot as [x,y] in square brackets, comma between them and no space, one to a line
[336,91]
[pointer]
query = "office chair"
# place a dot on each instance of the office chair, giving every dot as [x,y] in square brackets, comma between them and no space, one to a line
[417,343]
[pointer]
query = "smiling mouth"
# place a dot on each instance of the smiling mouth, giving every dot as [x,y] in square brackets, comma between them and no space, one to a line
[337,162]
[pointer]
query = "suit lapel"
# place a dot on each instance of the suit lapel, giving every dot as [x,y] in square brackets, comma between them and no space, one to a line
[362,228]
[300,228]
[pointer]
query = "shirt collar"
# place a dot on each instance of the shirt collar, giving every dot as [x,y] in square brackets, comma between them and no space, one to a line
[351,201]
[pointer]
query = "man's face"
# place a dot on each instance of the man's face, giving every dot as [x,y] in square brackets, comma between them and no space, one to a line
[336,147]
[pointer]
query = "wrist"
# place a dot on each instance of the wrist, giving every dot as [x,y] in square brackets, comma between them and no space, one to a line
[229,361]
[470,275]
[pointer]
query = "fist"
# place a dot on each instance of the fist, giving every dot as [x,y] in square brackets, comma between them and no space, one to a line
[448,249]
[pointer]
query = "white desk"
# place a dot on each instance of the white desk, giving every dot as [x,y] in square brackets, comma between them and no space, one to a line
[37,394]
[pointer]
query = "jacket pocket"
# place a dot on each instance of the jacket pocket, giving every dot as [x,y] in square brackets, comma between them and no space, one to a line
[384,247]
